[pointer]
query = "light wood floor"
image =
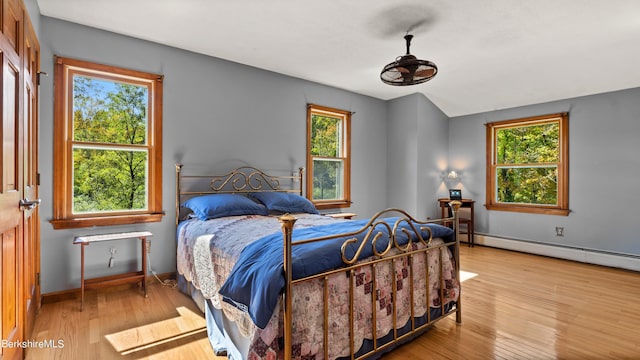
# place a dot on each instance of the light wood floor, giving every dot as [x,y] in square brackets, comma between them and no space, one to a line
[518,306]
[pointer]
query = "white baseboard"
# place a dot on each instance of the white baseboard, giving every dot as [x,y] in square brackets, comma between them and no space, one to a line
[623,261]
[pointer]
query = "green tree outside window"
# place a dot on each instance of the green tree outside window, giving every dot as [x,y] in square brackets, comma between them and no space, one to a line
[526,164]
[325,149]
[109,119]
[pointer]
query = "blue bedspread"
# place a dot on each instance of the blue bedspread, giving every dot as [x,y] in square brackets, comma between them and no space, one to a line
[257,279]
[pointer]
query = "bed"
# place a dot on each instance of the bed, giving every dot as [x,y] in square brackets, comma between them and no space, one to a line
[278,280]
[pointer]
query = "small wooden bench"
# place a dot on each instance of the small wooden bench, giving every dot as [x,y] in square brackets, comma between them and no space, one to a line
[85,240]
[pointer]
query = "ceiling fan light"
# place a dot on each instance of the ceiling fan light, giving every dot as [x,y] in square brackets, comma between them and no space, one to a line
[408,70]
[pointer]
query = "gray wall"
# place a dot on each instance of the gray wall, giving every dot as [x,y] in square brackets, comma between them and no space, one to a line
[217,115]
[417,138]
[604,170]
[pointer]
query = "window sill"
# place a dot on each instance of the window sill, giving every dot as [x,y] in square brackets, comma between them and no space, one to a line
[529,209]
[76,223]
[333,205]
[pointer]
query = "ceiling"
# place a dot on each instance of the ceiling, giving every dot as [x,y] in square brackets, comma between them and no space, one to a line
[491,54]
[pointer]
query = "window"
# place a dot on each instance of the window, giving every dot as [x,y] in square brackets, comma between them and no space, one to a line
[528,165]
[328,157]
[107,145]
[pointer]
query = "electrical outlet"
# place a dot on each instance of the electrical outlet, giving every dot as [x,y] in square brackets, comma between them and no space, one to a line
[112,259]
[559,231]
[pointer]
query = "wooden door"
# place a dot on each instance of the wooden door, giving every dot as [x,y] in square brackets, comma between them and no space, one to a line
[30,214]
[19,219]
[11,230]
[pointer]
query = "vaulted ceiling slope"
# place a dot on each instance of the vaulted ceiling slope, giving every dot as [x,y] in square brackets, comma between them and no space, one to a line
[491,54]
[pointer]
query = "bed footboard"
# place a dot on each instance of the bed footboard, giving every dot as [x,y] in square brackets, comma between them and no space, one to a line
[392,254]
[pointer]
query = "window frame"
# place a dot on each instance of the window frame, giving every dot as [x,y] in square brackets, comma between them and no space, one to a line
[345,156]
[63,216]
[562,205]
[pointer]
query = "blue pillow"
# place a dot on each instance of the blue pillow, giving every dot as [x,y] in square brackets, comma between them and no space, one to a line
[285,202]
[219,205]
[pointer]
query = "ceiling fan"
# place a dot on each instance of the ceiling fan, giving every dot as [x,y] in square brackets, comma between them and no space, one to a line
[407,69]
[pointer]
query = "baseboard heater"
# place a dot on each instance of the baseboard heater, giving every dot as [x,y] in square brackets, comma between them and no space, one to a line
[590,256]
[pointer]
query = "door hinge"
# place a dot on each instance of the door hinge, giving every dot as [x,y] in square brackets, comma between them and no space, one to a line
[38,179]
[37,279]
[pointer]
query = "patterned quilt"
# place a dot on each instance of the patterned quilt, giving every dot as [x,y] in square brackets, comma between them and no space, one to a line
[208,250]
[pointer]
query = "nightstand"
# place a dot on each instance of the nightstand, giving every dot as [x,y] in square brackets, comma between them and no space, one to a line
[465,215]
[342,215]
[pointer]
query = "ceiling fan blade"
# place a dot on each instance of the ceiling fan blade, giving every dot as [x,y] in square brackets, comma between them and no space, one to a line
[425,73]
[394,76]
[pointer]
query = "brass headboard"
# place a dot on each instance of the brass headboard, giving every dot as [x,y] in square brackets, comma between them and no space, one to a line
[245,179]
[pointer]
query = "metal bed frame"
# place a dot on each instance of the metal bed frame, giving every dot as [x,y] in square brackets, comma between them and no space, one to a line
[249,179]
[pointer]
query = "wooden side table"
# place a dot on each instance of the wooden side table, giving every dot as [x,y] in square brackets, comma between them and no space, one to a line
[86,240]
[467,221]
